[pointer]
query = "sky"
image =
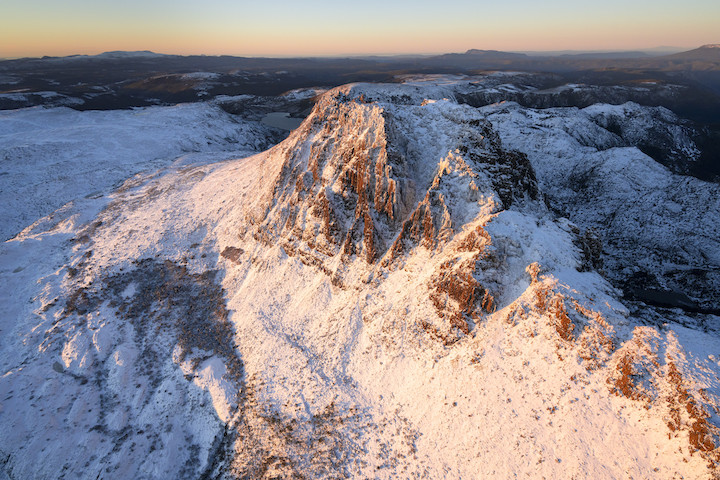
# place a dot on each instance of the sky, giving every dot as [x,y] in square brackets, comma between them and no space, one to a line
[340,27]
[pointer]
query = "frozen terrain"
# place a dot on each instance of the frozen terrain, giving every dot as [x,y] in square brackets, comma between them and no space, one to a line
[660,230]
[51,156]
[405,287]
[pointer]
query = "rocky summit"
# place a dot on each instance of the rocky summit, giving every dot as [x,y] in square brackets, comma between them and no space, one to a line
[415,283]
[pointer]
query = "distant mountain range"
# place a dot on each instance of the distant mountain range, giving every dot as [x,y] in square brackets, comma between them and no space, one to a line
[117,54]
[131,79]
[709,52]
[487,54]
[708,55]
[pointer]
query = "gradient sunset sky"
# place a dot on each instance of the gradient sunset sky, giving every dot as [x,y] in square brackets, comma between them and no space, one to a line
[324,27]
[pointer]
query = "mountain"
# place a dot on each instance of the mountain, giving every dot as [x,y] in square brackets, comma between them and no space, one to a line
[608,55]
[125,54]
[106,148]
[406,286]
[494,54]
[114,55]
[136,79]
[706,53]
[479,59]
[655,51]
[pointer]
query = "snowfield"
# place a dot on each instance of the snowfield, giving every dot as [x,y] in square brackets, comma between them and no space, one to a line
[653,223]
[51,156]
[405,287]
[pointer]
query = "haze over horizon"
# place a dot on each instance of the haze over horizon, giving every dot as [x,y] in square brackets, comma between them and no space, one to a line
[323,28]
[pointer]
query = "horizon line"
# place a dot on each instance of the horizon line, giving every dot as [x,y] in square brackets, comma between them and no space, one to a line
[663,49]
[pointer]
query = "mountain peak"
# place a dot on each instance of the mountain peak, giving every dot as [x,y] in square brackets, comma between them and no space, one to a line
[377,189]
[493,53]
[129,54]
[385,293]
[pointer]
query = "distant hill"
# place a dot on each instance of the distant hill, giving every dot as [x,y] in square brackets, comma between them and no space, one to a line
[607,55]
[494,54]
[123,54]
[121,79]
[475,58]
[708,53]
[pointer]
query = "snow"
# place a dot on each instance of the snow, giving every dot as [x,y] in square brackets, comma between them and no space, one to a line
[210,377]
[200,76]
[25,98]
[346,373]
[57,155]
[304,93]
[8,79]
[649,218]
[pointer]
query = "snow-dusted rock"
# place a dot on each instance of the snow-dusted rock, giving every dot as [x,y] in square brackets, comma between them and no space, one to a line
[405,287]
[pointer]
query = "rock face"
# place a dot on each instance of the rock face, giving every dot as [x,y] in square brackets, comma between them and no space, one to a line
[357,179]
[658,229]
[407,286]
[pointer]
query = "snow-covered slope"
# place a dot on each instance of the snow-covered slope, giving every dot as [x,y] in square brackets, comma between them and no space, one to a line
[44,151]
[660,231]
[384,294]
